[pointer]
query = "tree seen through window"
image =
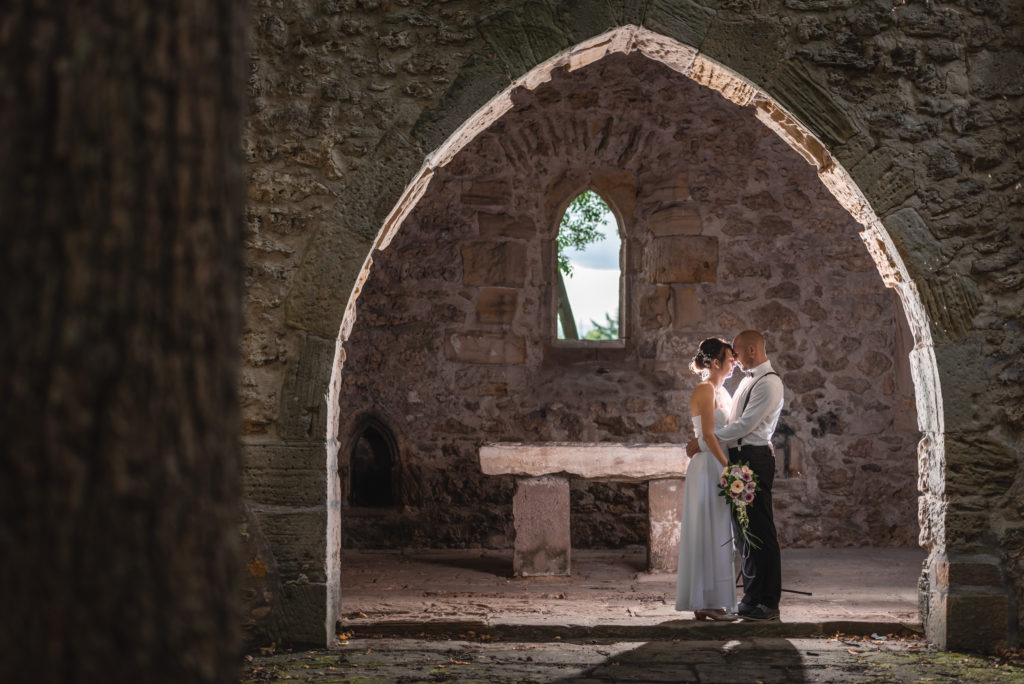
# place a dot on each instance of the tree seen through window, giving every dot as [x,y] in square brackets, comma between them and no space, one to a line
[588,271]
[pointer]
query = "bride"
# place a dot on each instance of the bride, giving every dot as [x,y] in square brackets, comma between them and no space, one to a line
[705,583]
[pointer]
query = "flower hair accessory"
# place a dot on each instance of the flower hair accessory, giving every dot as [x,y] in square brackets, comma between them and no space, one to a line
[738,485]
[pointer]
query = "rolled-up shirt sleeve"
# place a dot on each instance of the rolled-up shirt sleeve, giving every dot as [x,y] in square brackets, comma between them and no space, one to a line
[765,397]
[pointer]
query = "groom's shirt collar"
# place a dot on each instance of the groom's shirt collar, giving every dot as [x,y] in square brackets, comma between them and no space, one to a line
[755,425]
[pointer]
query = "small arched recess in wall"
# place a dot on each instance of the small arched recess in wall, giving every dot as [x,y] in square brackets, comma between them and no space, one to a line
[373,465]
[734,87]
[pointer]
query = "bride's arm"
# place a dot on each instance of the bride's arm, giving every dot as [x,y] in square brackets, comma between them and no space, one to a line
[702,404]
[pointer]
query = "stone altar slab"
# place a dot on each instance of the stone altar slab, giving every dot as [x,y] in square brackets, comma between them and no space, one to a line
[541,504]
[590,460]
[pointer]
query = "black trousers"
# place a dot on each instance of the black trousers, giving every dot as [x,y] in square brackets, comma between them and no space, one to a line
[762,568]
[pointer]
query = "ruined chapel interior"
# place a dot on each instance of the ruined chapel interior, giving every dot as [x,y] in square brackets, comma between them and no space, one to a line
[402,303]
[724,226]
[284,271]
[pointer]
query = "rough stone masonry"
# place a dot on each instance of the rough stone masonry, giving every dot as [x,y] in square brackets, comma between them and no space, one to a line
[724,227]
[908,111]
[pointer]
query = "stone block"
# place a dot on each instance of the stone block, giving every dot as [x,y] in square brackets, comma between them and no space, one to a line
[617,187]
[915,242]
[486,348]
[503,34]
[811,103]
[312,305]
[303,616]
[496,305]
[669,423]
[686,308]
[978,465]
[749,46]
[501,225]
[713,75]
[784,290]
[524,37]
[304,395]
[487,193]
[685,259]
[885,182]
[591,460]
[654,308]
[540,511]
[587,18]
[962,379]
[684,20]
[951,302]
[976,572]
[298,537]
[967,620]
[480,78]
[285,475]
[774,317]
[904,418]
[680,219]
[665,514]
[966,522]
[494,263]
[675,188]
[991,73]
[771,225]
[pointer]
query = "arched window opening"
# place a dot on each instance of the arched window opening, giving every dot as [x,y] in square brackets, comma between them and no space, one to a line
[372,464]
[588,271]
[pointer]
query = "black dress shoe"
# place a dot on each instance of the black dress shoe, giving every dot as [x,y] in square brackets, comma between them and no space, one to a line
[762,613]
[744,609]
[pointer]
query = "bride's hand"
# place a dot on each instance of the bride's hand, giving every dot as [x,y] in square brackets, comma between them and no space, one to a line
[692,447]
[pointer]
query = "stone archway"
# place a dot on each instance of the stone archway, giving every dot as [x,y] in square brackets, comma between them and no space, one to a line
[688,61]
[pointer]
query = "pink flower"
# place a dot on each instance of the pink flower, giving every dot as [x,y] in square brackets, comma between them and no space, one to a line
[748,496]
[736,487]
[751,486]
[747,476]
[724,482]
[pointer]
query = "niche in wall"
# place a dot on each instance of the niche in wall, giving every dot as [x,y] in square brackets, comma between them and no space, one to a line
[373,460]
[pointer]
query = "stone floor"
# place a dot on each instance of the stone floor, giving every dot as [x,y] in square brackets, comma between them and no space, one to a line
[460,616]
[609,594]
[838,659]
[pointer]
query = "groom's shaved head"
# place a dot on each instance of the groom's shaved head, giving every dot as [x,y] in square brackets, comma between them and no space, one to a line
[748,347]
[748,338]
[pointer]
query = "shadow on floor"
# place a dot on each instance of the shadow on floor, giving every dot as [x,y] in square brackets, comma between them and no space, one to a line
[764,660]
[498,564]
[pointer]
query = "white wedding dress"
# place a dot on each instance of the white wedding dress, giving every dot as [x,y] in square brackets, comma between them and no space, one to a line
[706,579]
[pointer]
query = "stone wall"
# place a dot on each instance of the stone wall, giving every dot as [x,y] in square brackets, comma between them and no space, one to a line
[725,228]
[910,110]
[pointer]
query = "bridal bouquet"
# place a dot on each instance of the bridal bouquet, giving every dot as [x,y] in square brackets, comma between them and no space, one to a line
[738,485]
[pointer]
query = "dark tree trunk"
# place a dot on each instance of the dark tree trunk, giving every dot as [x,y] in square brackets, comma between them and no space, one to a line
[120,211]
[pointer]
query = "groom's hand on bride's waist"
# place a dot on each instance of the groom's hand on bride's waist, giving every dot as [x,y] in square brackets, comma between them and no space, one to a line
[692,447]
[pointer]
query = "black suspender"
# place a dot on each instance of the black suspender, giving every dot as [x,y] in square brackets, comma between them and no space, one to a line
[746,401]
[750,391]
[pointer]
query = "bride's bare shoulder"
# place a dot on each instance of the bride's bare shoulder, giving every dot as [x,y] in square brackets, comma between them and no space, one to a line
[704,391]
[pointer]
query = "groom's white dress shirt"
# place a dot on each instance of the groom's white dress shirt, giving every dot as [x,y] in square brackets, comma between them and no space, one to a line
[755,425]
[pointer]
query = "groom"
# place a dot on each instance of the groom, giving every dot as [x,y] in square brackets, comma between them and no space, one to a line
[755,412]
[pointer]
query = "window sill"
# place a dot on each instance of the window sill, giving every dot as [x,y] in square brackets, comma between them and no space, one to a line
[581,351]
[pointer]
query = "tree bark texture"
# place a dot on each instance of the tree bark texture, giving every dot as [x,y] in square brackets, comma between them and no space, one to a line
[120,211]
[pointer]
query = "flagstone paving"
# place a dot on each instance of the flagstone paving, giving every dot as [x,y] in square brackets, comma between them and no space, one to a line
[838,658]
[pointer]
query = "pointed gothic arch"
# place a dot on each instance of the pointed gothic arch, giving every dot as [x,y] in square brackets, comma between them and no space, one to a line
[734,87]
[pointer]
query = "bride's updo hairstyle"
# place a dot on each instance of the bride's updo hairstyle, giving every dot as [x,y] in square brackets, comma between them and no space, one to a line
[711,349]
